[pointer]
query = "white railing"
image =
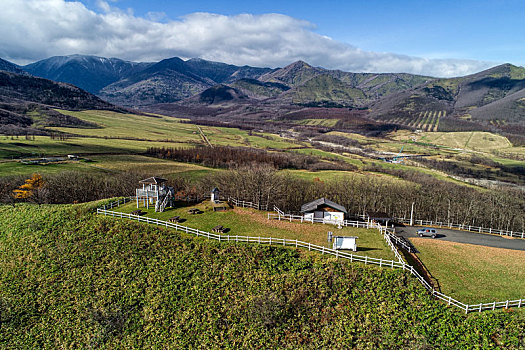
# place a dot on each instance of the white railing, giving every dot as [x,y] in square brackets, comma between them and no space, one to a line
[116,203]
[323,250]
[302,218]
[398,241]
[162,205]
[246,204]
[462,227]
[262,240]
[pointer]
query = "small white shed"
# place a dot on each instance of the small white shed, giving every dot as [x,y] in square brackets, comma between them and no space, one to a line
[215,195]
[345,242]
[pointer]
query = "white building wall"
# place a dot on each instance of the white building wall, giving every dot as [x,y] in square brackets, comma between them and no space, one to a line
[335,216]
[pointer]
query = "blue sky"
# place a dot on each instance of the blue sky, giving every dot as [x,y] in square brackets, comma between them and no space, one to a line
[439,38]
[480,30]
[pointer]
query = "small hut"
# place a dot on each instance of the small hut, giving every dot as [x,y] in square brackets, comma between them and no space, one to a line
[378,216]
[215,195]
[324,209]
[154,192]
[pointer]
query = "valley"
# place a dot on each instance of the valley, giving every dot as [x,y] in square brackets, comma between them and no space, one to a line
[376,143]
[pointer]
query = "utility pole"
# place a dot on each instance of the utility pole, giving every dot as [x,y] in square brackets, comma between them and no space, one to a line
[412,214]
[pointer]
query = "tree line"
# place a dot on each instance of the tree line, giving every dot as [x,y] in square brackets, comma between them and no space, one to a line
[433,199]
[227,157]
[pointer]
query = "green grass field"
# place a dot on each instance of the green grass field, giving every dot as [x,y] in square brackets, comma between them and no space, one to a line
[474,274]
[72,279]
[45,146]
[250,222]
[162,128]
[319,122]
[472,140]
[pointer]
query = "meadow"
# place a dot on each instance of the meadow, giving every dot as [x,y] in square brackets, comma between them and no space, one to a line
[72,279]
[250,222]
[472,273]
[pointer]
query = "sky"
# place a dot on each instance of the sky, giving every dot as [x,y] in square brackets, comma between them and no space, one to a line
[438,38]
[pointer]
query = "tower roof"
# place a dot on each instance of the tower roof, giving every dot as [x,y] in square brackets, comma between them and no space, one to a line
[153,180]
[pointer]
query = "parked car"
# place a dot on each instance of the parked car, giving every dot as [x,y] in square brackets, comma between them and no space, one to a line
[427,232]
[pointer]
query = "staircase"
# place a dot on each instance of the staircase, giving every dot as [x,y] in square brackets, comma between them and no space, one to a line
[161,204]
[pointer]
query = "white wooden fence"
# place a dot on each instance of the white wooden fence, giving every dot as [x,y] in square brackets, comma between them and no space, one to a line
[462,227]
[323,250]
[246,204]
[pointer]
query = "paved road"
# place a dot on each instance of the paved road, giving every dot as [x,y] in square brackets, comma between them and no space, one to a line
[467,237]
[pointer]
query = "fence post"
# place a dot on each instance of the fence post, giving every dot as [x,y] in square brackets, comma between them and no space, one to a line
[507,305]
[494,306]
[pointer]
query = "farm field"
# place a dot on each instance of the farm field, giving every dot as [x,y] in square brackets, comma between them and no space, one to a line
[471,140]
[319,122]
[109,163]
[472,273]
[146,165]
[162,128]
[251,222]
[161,131]
[46,146]
[426,121]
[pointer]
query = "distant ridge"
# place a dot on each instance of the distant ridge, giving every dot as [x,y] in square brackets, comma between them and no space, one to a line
[90,73]
[491,100]
[10,67]
[28,102]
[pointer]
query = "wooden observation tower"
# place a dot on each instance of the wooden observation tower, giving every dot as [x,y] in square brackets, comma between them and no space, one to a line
[154,192]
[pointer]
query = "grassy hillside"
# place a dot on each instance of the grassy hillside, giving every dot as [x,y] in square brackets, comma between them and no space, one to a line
[473,273]
[70,279]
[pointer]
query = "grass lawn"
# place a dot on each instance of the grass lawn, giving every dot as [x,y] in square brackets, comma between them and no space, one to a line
[472,273]
[44,145]
[250,222]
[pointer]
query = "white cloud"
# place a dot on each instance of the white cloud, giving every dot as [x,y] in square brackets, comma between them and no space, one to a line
[37,29]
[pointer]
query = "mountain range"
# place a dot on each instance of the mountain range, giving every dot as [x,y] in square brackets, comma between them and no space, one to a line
[27,102]
[493,99]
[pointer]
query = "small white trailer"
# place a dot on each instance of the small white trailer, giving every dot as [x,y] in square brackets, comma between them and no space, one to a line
[345,242]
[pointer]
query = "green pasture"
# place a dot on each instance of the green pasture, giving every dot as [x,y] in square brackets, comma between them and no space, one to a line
[318,122]
[46,146]
[474,274]
[250,222]
[163,128]
[472,140]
